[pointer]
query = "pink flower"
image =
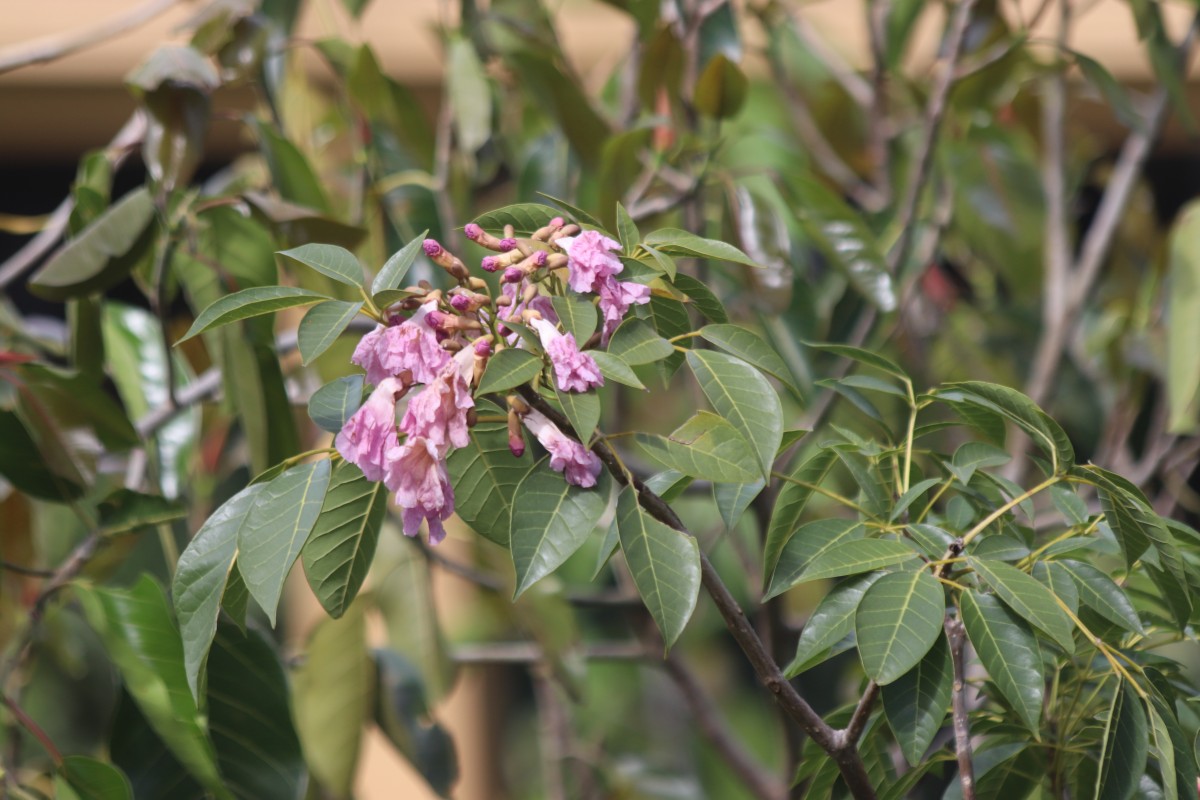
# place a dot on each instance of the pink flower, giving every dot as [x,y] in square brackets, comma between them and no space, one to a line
[574,371]
[417,474]
[579,465]
[367,436]
[615,299]
[589,260]
[388,351]
[438,413]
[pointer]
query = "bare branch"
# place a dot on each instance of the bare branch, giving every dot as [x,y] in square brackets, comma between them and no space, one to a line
[862,713]
[879,134]
[962,730]
[50,48]
[29,572]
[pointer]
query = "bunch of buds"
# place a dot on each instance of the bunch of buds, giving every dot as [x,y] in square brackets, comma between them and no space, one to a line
[446,260]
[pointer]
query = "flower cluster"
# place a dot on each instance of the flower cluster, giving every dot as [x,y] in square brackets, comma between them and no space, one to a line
[431,349]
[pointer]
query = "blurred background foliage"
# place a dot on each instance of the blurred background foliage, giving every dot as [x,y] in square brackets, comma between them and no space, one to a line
[924,207]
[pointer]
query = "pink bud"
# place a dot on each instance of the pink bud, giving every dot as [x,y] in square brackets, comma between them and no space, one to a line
[516,445]
[508,244]
[432,248]
[483,348]
[472,231]
[513,275]
[489,264]
[539,258]
[436,319]
[557,222]
[460,302]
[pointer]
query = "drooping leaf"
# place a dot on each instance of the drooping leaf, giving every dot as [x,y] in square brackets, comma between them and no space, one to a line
[1100,593]
[322,325]
[1009,652]
[278,525]
[707,447]
[552,520]
[740,394]
[396,267]
[291,173]
[917,701]
[867,357]
[126,511]
[140,637]
[750,347]
[1124,748]
[677,242]
[702,298]
[811,541]
[339,551]
[853,556]
[897,622]
[103,254]
[485,476]
[330,260]
[507,369]
[1047,434]
[665,564]
[335,402]
[402,713]
[469,94]
[251,303]
[333,697]
[790,504]
[1029,599]
[831,621]
[201,576]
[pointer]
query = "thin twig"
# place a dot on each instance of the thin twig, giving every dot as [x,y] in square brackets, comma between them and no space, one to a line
[54,47]
[34,729]
[879,134]
[442,153]
[530,653]
[862,712]
[962,731]
[31,572]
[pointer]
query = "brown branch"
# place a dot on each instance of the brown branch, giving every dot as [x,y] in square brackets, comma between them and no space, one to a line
[862,713]
[879,135]
[34,729]
[833,742]
[530,653]
[30,572]
[50,48]
[962,730]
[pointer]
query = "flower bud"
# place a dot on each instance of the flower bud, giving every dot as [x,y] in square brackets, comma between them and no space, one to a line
[472,231]
[483,347]
[556,261]
[529,293]
[489,264]
[569,230]
[503,300]
[432,247]
[472,417]
[545,232]
[478,284]
[517,404]
[516,439]
[514,275]
[444,259]
[509,231]
[557,222]
[460,302]
[507,244]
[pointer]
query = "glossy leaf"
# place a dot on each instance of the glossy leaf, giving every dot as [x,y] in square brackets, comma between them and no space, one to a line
[733,499]
[551,522]
[831,621]
[95,780]
[789,506]
[897,622]
[526,218]
[1124,748]
[140,637]
[707,447]
[577,314]
[750,347]
[811,541]
[201,576]
[278,525]
[396,267]
[1022,412]
[341,547]
[330,260]
[582,409]
[335,402]
[917,701]
[614,369]
[702,298]
[251,303]
[507,369]
[744,397]
[1029,599]
[635,343]
[485,476]
[322,325]
[665,565]
[1009,652]
[676,242]
[854,556]
[1100,593]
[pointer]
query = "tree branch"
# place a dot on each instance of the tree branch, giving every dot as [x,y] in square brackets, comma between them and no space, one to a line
[862,713]
[962,730]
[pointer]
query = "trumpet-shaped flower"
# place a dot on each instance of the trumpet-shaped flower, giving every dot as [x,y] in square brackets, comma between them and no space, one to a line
[410,346]
[416,472]
[579,465]
[438,413]
[615,299]
[574,370]
[367,436]
[590,260]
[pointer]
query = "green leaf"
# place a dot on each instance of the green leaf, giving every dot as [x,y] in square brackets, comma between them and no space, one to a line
[665,564]
[404,596]
[1100,593]
[810,542]
[721,88]
[201,577]
[396,267]
[627,230]
[333,699]
[1009,652]
[1183,322]
[329,260]
[840,233]
[1125,746]
[126,511]
[322,325]
[508,369]
[469,94]
[95,780]
[1095,73]
[141,639]
[558,92]
[911,496]
[752,348]
[250,718]
[673,241]
[636,343]
[740,394]
[582,409]
[614,369]
[485,476]
[972,456]
[702,297]
[339,551]
[872,384]
[733,499]
[1058,580]
[251,303]
[1022,412]
[277,527]
[103,254]
[707,447]
[291,173]
[897,622]
[831,621]
[853,556]
[526,218]
[867,357]
[916,702]
[553,520]
[402,713]
[575,212]
[1031,600]
[335,402]
[789,506]
[577,314]
[1164,751]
